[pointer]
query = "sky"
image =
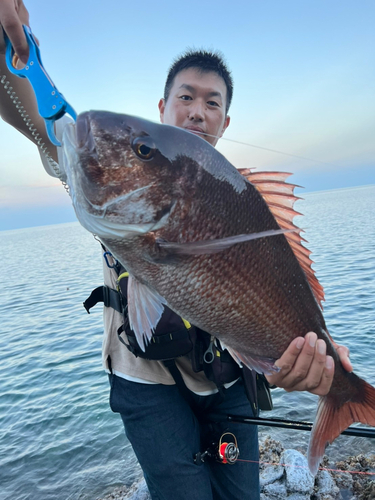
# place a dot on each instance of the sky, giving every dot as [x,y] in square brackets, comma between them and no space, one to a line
[304,85]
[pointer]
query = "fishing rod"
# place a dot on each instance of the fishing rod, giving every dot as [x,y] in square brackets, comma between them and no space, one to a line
[272,150]
[226,450]
[297,425]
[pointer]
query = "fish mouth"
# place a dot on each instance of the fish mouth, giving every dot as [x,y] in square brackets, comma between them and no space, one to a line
[102,208]
[98,218]
[110,197]
[84,136]
[124,215]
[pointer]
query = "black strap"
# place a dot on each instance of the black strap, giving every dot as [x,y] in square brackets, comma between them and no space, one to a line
[250,383]
[167,337]
[263,393]
[105,294]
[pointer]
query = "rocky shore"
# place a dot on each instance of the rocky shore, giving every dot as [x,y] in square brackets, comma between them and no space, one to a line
[284,474]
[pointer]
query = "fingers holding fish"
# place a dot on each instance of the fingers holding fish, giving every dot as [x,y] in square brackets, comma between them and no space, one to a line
[321,373]
[318,378]
[296,379]
[343,353]
[305,367]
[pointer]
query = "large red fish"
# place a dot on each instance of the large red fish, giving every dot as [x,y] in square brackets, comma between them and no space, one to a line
[200,237]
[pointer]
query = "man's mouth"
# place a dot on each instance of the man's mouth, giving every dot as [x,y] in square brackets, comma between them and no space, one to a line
[195,130]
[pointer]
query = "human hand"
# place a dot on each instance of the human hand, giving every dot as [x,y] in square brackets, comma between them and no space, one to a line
[13,14]
[343,353]
[304,366]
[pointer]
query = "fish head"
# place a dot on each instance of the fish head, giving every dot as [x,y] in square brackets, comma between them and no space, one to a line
[126,174]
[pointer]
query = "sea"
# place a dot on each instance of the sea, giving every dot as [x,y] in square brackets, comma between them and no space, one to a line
[58,438]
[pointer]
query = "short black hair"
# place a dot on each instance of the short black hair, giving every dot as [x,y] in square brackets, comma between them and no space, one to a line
[204,61]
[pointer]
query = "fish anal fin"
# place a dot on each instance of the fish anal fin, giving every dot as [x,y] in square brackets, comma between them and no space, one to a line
[261,364]
[145,307]
[333,418]
[280,198]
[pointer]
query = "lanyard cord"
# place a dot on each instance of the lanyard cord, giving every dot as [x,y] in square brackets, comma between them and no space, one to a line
[30,125]
[278,464]
[272,150]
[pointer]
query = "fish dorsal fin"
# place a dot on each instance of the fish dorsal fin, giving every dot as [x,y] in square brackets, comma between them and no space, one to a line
[280,199]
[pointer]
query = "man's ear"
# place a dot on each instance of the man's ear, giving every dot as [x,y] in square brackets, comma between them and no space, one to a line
[161,107]
[226,125]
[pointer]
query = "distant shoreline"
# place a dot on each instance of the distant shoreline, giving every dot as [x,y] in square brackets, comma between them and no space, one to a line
[64,214]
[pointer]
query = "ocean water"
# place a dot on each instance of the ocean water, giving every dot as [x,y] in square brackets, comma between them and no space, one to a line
[58,437]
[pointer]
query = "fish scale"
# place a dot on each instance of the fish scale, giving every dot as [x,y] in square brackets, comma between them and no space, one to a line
[250,303]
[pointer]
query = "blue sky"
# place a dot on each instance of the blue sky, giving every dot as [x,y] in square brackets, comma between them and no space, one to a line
[304,73]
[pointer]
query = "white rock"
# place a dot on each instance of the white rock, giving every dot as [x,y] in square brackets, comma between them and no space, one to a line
[298,476]
[298,496]
[275,491]
[270,474]
[326,485]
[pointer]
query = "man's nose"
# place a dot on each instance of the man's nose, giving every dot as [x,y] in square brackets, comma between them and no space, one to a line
[196,111]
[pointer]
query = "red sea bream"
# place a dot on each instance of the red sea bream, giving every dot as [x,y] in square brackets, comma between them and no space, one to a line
[215,244]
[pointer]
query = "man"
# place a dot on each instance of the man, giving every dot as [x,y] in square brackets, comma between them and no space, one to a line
[166,430]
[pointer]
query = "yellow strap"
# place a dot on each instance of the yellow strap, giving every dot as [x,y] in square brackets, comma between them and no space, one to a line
[123,275]
[186,323]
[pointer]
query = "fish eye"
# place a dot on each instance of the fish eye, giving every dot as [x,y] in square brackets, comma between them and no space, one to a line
[144,148]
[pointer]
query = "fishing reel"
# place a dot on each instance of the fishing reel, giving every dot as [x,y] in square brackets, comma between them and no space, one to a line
[223,451]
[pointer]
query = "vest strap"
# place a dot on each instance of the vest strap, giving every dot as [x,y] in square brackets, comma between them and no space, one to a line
[105,294]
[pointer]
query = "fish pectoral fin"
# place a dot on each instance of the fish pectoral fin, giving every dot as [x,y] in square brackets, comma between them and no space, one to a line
[215,246]
[145,307]
[261,364]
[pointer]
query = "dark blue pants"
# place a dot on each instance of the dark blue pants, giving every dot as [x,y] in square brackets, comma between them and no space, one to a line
[166,435]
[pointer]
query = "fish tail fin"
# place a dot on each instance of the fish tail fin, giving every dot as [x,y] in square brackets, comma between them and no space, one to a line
[334,416]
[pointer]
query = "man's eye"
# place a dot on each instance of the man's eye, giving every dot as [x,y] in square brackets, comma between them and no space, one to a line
[186,98]
[212,103]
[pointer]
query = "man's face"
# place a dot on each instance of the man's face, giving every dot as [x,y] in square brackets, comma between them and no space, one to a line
[197,103]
